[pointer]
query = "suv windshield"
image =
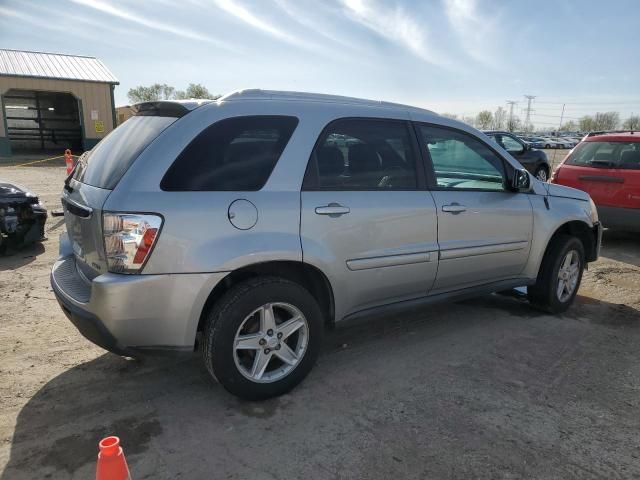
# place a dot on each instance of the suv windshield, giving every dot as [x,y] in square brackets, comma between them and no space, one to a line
[105,164]
[606,155]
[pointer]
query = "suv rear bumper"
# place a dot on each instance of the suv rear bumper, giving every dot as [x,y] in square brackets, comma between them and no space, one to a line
[619,218]
[131,314]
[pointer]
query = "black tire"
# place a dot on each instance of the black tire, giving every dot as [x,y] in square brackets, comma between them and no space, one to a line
[547,146]
[542,168]
[543,294]
[228,314]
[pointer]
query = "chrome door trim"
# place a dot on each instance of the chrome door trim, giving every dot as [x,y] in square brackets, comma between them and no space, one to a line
[447,254]
[389,260]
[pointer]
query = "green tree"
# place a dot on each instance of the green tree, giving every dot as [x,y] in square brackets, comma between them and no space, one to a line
[195,90]
[151,93]
[607,121]
[514,123]
[632,123]
[569,126]
[484,119]
[499,119]
[586,123]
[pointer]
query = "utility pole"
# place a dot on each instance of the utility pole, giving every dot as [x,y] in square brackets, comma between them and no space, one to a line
[561,117]
[511,103]
[527,121]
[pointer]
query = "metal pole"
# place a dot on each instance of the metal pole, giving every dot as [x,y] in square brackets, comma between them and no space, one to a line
[561,117]
[39,120]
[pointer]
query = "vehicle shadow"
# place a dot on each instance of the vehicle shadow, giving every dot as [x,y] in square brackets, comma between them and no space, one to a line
[156,404]
[621,246]
[13,259]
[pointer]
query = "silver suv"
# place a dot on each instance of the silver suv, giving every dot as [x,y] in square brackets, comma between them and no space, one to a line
[249,224]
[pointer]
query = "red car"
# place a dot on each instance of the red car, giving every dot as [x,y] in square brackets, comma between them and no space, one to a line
[607,167]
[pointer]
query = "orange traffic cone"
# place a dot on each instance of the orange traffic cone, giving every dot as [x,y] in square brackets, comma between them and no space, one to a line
[68,159]
[111,462]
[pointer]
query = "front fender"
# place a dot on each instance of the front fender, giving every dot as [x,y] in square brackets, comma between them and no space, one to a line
[548,220]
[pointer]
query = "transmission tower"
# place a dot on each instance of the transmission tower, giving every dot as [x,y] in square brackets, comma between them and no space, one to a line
[527,121]
[511,103]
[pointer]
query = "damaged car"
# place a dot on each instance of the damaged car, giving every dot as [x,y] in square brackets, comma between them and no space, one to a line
[22,216]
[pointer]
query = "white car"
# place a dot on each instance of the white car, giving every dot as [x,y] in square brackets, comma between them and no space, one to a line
[564,142]
[549,142]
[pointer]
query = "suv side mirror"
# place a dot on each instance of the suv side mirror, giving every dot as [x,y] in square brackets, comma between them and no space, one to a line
[527,146]
[520,180]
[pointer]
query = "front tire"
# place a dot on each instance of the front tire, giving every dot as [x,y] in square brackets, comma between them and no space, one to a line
[560,275]
[263,337]
[542,173]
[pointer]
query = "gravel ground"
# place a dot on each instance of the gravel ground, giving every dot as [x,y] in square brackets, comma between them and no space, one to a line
[487,388]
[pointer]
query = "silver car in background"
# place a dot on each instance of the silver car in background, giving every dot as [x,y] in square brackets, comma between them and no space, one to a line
[248,225]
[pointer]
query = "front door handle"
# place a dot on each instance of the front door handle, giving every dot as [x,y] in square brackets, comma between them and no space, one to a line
[454,208]
[333,210]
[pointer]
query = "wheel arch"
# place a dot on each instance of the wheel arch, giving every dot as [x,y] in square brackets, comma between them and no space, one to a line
[580,230]
[310,277]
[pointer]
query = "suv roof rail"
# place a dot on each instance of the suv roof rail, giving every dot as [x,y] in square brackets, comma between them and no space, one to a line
[259,94]
[602,132]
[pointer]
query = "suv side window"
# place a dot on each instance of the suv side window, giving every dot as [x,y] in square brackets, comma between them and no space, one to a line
[510,144]
[235,154]
[363,154]
[461,161]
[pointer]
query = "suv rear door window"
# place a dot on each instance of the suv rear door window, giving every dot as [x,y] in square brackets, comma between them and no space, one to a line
[625,155]
[235,154]
[105,164]
[363,154]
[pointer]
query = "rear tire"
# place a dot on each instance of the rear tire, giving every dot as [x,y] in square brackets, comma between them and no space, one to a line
[257,308]
[559,276]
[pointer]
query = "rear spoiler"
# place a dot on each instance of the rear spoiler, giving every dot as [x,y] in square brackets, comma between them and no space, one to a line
[167,108]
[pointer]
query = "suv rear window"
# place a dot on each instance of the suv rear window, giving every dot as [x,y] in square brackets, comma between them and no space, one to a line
[624,155]
[105,164]
[235,154]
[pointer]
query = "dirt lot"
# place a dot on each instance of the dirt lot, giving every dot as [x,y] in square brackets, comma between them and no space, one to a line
[487,388]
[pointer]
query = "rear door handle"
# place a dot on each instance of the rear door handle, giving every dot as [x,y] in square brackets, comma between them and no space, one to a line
[333,210]
[454,208]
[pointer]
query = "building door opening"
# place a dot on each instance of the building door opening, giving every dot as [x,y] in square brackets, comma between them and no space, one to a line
[42,121]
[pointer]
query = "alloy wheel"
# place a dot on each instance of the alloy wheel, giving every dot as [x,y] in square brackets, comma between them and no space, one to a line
[542,175]
[271,342]
[568,275]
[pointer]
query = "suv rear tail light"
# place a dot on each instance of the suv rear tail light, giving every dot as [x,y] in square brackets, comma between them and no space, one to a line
[129,239]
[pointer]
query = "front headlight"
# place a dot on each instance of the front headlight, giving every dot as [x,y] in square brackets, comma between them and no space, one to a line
[594,211]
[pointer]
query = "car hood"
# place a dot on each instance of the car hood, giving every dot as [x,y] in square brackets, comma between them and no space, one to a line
[12,190]
[555,190]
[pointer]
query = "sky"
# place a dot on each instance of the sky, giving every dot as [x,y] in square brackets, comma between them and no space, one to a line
[454,56]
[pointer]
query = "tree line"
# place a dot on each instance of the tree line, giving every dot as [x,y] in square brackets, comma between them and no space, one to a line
[499,120]
[163,91]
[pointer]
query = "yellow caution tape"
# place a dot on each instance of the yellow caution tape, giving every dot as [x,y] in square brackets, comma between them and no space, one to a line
[38,161]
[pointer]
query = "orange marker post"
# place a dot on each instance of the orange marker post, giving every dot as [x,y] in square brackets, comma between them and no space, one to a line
[68,158]
[111,462]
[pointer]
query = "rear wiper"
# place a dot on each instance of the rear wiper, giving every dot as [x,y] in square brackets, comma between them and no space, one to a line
[67,181]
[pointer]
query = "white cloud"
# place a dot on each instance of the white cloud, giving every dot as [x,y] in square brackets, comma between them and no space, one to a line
[151,24]
[475,31]
[395,25]
[242,13]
